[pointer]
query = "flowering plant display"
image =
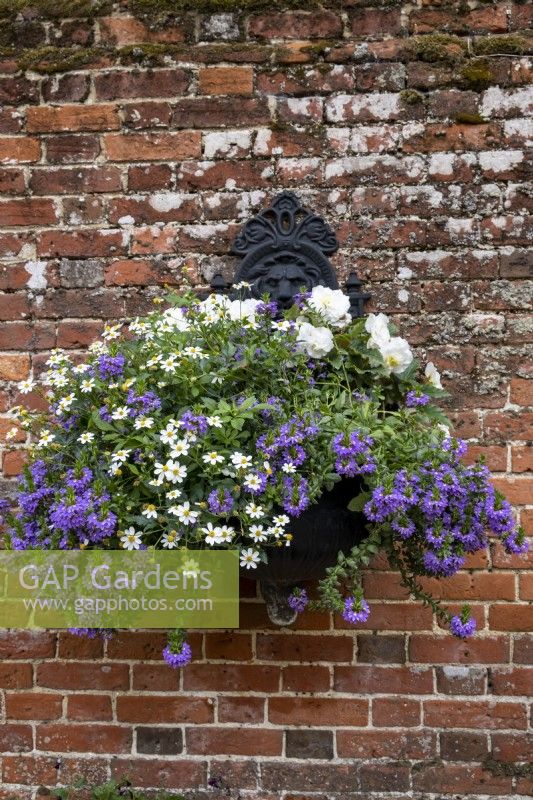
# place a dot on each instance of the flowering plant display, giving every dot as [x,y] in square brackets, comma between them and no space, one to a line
[214,423]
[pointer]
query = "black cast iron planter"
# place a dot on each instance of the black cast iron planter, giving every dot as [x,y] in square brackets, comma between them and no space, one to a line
[285,249]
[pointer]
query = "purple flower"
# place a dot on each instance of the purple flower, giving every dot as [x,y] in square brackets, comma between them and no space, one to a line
[414,399]
[178,659]
[220,501]
[463,628]
[111,366]
[92,633]
[355,610]
[298,600]
[295,498]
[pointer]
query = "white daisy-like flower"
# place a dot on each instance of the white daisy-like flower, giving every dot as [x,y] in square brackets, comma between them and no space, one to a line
[153,361]
[226,534]
[122,412]
[214,421]
[131,539]
[169,364]
[249,558]
[267,468]
[87,385]
[190,568]
[170,540]
[168,436]
[432,375]
[173,495]
[45,439]
[86,438]
[281,519]
[252,481]
[143,422]
[212,534]
[240,461]
[65,403]
[120,456]
[254,511]
[99,348]
[212,458]
[275,530]
[288,468]
[184,513]
[25,387]
[179,448]
[111,332]
[257,533]
[174,471]
[58,379]
[114,469]
[194,352]
[149,511]
[80,369]
[56,357]
[281,325]
[12,432]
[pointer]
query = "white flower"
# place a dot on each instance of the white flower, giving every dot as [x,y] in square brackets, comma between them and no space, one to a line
[214,421]
[288,468]
[120,456]
[175,493]
[275,530]
[174,471]
[114,469]
[86,438]
[168,436]
[154,361]
[131,539]
[122,412]
[176,318]
[179,448]
[432,375]
[226,534]
[87,385]
[194,352]
[254,511]
[396,355]
[25,387]
[212,535]
[377,325]
[243,309]
[332,304]
[79,369]
[143,422]
[443,429]
[149,511]
[111,332]
[252,481]
[281,519]
[281,325]
[65,403]
[169,364]
[170,540]
[46,438]
[316,342]
[240,461]
[249,558]
[185,513]
[12,432]
[257,533]
[212,458]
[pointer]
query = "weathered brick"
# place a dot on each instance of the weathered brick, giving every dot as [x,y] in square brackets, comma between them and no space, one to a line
[156,83]
[296,25]
[226,81]
[71,149]
[71,181]
[72,118]
[78,738]
[153,146]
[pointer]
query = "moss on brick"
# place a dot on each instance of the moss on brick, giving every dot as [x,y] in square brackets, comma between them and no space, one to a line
[49,60]
[463,118]
[150,7]
[411,97]
[476,75]
[509,45]
[55,9]
[436,47]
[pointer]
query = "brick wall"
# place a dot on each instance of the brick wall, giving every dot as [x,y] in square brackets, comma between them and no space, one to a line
[120,165]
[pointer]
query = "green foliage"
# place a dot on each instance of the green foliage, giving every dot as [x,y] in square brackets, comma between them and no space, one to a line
[435,47]
[111,790]
[511,44]
[476,74]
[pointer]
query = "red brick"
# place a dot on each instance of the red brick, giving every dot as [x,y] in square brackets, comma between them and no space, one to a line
[525,591]
[80,244]
[512,746]
[241,709]
[386,744]
[511,617]
[511,681]
[12,181]
[72,181]
[394,616]
[362,679]
[19,150]
[89,707]
[231,678]
[228,646]
[82,675]
[71,149]
[159,207]
[15,676]
[33,705]
[172,774]
[20,644]
[15,738]
[226,80]
[13,463]
[306,710]
[429,649]
[149,176]
[78,738]
[485,715]
[155,678]
[153,146]
[373,21]
[516,426]
[302,678]
[156,83]
[71,118]
[134,708]
[121,31]
[518,491]
[396,712]
[279,647]
[461,680]
[522,459]
[219,112]
[296,25]
[146,115]
[29,770]
[460,779]
[28,211]
[234,741]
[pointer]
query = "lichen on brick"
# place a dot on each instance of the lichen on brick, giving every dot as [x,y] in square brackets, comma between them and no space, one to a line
[49,60]
[411,96]
[436,47]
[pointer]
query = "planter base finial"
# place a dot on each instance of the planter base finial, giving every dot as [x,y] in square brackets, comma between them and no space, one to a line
[276,597]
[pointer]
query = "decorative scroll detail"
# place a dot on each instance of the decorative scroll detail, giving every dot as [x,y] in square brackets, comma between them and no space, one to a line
[284,249]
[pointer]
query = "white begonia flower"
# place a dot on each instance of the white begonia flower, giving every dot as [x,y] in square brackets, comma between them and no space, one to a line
[316,342]
[212,458]
[176,318]
[332,304]
[131,539]
[174,471]
[243,309]
[377,326]
[249,558]
[26,386]
[396,355]
[212,535]
[432,375]
[281,519]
